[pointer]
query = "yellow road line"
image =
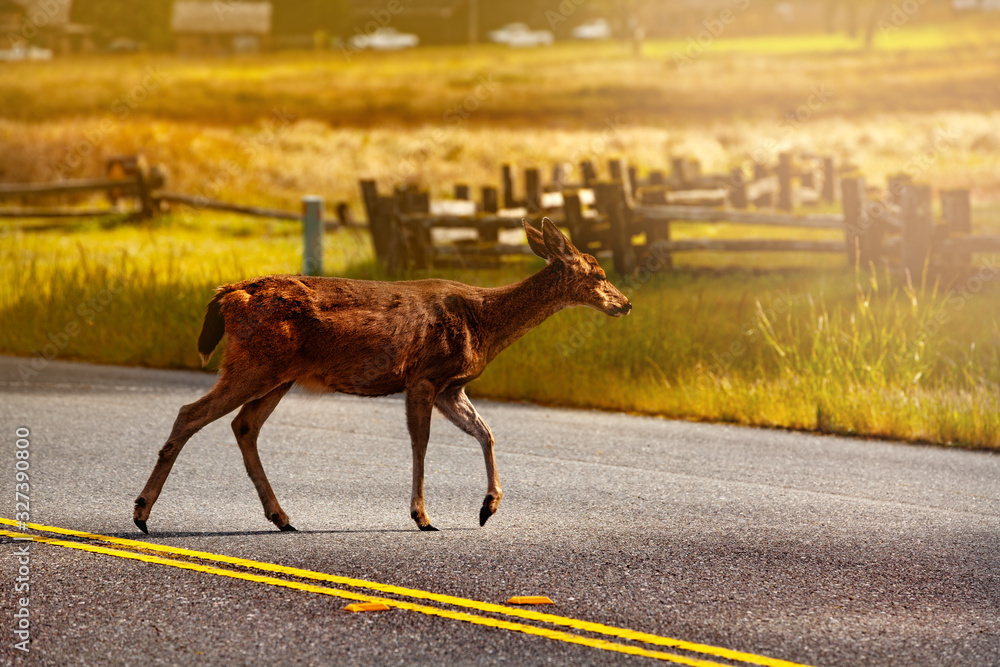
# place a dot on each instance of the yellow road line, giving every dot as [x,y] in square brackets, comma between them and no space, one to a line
[526,614]
[399,604]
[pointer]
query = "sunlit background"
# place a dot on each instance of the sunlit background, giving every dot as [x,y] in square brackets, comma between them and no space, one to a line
[260,104]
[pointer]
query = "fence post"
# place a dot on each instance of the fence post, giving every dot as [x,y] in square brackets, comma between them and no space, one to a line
[386,223]
[854,198]
[829,193]
[956,206]
[918,228]
[588,172]
[507,181]
[573,217]
[489,234]
[611,198]
[558,176]
[785,182]
[532,190]
[760,172]
[619,172]
[369,195]
[312,234]
[147,207]
[738,191]
[462,192]
[419,237]
[896,183]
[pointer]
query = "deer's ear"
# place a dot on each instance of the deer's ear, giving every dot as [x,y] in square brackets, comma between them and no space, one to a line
[536,241]
[558,245]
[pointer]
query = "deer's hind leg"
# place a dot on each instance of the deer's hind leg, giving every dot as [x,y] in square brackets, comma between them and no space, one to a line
[247,426]
[419,407]
[456,406]
[229,393]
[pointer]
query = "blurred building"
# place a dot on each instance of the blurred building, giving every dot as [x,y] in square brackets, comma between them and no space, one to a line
[44,24]
[220,28]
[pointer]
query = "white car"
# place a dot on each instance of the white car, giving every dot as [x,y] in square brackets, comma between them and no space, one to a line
[596,29]
[30,53]
[519,34]
[385,39]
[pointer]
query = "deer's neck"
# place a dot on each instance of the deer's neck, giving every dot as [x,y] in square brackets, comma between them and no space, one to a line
[514,310]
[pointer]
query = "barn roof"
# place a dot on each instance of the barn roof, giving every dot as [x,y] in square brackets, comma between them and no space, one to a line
[222,17]
[50,13]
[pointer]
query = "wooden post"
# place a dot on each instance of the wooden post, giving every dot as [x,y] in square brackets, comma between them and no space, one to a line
[419,238]
[616,168]
[373,209]
[611,202]
[677,171]
[147,207]
[532,190]
[656,177]
[785,182]
[462,192]
[369,195]
[738,189]
[344,215]
[558,176]
[633,179]
[854,198]
[573,217]
[760,172]
[918,229]
[507,182]
[829,193]
[588,172]
[896,183]
[956,206]
[619,173]
[385,226]
[490,206]
[312,235]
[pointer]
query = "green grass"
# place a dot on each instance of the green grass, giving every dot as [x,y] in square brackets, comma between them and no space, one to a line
[833,351]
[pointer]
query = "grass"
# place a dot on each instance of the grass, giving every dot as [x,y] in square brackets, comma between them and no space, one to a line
[832,351]
[784,341]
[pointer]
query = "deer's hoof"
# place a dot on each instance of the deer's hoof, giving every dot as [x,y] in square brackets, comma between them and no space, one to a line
[428,528]
[141,525]
[484,515]
[488,509]
[287,528]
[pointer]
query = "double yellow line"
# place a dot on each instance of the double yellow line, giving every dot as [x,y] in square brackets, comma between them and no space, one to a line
[413,594]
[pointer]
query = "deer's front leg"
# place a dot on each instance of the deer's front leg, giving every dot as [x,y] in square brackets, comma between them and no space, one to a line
[419,406]
[456,406]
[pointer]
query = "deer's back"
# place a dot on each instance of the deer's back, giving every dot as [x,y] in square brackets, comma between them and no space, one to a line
[355,336]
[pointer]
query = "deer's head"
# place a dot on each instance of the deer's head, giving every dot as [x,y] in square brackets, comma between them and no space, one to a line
[585,282]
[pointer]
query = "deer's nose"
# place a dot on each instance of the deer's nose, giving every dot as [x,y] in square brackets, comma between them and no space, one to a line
[627,308]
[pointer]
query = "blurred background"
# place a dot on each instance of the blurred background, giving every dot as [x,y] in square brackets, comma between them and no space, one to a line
[759,108]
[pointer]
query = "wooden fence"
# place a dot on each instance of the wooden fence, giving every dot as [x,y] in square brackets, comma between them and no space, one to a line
[621,216]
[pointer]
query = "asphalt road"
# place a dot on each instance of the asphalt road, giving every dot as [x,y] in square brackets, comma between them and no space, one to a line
[815,550]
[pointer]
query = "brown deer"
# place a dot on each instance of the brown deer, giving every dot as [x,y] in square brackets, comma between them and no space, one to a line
[428,338]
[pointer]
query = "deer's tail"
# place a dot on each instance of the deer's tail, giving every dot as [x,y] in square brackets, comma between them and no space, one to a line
[212,329]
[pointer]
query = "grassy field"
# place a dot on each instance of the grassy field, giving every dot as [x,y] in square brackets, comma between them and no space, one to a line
[782,341]
[830,351]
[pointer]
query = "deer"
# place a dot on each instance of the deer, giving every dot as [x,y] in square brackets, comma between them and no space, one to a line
[425,338]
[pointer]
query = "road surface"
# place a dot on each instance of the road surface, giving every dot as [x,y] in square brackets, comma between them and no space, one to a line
[720,544]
